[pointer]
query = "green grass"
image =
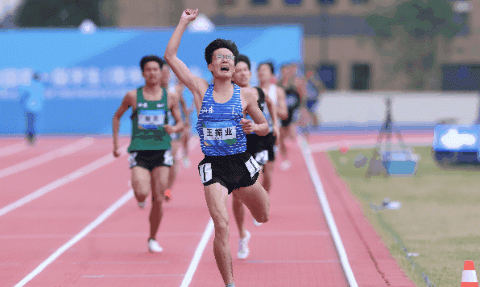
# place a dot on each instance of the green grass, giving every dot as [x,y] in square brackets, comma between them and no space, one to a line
[439,217]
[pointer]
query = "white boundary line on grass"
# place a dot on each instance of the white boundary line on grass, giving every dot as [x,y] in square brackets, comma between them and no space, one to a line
[59,182]
[120,202]
[312,170]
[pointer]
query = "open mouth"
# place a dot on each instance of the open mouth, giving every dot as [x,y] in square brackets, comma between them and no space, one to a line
[226,69]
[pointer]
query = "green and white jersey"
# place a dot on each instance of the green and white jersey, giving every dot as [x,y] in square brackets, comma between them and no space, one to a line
[148,120]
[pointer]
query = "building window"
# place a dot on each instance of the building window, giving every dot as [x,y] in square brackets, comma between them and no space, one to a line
[361,77]
[328,75]
[326,2]
[259,2]
[293,2]
[460,77]
[222,3]
[357,2]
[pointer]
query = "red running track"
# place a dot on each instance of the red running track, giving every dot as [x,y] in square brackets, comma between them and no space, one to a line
[294,248]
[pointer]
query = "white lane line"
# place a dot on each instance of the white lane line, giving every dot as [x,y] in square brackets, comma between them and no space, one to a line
[132,276]
[13,149]
[198,254]
[59,182]
[120,202]
[46,157]
[312,170]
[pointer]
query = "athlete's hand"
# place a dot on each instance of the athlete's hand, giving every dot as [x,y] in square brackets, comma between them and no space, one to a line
[168,129]
[247,126]
[276,132]
[189,15]
[116,153]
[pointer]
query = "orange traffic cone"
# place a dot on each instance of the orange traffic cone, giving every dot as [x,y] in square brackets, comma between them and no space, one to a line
[469,276]
[343,146]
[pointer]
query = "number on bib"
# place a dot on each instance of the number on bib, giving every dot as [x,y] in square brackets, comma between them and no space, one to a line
[205,172]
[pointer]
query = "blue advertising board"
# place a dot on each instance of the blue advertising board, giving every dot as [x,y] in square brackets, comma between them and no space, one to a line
[85,76]
[456,143]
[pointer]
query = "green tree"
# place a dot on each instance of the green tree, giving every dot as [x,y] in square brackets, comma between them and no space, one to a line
[408,35]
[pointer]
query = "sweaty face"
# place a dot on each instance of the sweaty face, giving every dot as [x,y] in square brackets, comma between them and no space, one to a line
[264,73]
[152,72]
[223,63]
[242,74]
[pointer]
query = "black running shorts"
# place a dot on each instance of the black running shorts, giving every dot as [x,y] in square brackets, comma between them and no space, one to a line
[262,148]
[150,159]
[231,171]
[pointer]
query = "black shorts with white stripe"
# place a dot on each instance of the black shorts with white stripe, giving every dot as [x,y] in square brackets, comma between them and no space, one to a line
[231,171]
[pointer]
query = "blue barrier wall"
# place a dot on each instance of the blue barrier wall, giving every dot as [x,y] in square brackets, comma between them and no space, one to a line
[86,75]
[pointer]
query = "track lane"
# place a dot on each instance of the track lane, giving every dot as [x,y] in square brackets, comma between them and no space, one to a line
[294,248]
[23,183]
[115,253]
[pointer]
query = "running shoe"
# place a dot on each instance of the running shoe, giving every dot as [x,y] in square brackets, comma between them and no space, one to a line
[285,165]
[186,162]
[243,250]
[256,223]
[153,246]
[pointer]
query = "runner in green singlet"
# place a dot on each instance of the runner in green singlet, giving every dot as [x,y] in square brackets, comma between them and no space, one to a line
[150,150]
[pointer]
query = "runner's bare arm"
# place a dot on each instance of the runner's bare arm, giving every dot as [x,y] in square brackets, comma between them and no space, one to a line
[273,113]
[174,108]
[260,125]
[185,109]
[128,101]
[282,110]
[195,84]
[301,89]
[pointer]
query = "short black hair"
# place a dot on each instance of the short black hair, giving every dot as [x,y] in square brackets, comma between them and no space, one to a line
[245,59]
[218,44]
[269,64]
[36,76]
[151,58]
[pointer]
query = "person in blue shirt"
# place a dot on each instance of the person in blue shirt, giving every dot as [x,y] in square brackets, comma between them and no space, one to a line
[221,125]
[32,97]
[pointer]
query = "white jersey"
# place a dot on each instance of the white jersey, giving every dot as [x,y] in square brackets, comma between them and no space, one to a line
[272,93]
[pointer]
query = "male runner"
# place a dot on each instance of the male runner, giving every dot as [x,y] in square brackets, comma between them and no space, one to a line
[294,94]
[150,153]
[221,125]
[261,148]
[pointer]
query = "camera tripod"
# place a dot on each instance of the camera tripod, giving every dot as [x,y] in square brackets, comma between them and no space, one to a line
[375,164]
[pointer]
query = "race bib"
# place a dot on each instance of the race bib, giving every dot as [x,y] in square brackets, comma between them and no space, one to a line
[168,157]
[252,167]
[131,159]
[262,157]
[205,171]
[151,119]
[219,133]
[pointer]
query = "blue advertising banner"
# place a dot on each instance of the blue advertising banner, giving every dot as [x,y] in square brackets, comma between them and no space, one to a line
[85,76]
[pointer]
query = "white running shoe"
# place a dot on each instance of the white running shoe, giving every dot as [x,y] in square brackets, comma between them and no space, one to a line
[285,165]
[256,223]
[142,204]
[243,250]
[153,246]
[186,162]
